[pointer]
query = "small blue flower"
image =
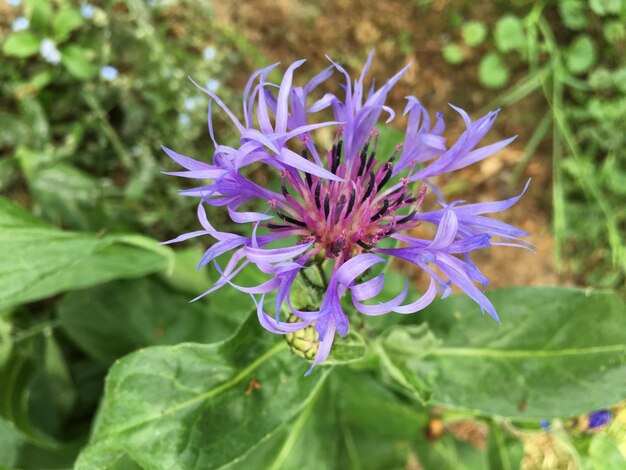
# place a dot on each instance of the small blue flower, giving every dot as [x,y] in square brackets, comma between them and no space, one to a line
[108,73]
[184,119]
[545,424]
[599,418]
[191,103]
[20,24]
[14,3]
[87,10]
[209,53]
[49,51]
[212,85]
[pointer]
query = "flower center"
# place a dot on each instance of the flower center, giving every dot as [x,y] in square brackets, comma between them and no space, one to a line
[347,217]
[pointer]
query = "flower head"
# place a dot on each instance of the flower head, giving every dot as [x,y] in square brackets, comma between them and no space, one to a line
[49,51]
[87,11]
[20,24]
[599,418]
[109,73]
[335,208]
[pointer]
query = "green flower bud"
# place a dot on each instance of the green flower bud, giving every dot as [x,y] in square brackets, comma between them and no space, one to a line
[303,343]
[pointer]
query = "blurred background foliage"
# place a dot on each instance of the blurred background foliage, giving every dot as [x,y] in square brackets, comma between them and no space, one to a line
[89,91]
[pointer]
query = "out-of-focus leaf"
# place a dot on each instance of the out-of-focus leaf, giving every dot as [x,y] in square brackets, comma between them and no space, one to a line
[41,14]
[449,452]
[20,451]
[38,260]
[199,406]
[573,13]
[21,44]
[184,276]
[581,55]
[504,452]
[492,71]
[6,342]
[76,61]
[604,454]
[474,33]
[509,34]
[558,352]
[124,316]
[34,116]
[606,7]
[66,196]
[8,172]
[453,54]
[66,21]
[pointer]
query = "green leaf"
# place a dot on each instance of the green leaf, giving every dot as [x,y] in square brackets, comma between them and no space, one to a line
[504,451]
[21,44]
[347,349]
[18,450]
[509,34]
[124,316]
[581,55]
[449,453]
[453,54]
[41,14]
[38,260]
[199,406]
[76,61]
[400,349]
[474,33]
[492,72]
[605,7]
[604,454]
[6,341]
[573,13]
[614,31]
[66,196]
[66,21]
[184,277]
[558,352]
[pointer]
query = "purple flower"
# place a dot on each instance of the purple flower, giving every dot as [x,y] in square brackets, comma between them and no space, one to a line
[599,418]
[335,208]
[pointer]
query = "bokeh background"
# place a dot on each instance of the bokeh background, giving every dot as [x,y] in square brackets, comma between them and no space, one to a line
[90,91]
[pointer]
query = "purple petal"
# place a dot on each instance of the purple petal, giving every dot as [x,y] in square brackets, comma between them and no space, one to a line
[258,255]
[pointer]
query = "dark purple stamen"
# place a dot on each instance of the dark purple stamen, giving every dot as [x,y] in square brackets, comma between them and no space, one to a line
[336,157]
[407,218]
[370,186]
[326,205]
[318,187]
[382,211]
[291,220]
[340,205]
[364,245]
[351,202]
[386,178]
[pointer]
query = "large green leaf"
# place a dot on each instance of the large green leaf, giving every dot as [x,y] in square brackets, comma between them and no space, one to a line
[117,318]
[353,422]
[38,260]
[17,450]
[558,352]
[199,406]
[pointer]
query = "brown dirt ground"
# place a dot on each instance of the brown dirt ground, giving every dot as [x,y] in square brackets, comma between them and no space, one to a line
[402,32]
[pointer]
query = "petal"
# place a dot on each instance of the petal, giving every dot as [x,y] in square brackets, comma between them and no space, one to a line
[356,266]
[258,255]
